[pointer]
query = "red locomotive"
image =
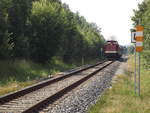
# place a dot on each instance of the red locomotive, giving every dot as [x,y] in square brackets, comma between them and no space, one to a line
[112,49]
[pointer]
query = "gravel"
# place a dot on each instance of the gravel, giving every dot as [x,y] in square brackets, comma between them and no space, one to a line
[20,104]
[81,98]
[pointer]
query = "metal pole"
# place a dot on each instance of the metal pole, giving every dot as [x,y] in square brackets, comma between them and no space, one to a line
[82,60]
[139,67]
[139,74]
[135,69]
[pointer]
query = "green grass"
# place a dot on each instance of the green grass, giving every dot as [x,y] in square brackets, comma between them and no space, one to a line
[121,98]
[17,74]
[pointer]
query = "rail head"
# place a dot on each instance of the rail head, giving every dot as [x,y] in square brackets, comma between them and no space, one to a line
[60,93]
[19,93]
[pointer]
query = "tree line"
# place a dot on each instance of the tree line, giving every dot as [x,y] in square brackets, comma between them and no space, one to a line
[41,29]
[142,15]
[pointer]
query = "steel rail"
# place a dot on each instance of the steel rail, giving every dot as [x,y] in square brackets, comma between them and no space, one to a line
[11,96]
[62,92]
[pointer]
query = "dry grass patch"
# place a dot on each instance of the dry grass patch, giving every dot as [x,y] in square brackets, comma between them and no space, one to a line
[14,86]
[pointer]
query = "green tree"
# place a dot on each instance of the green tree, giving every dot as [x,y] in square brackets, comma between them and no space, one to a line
[18,15]
[5,45]
[143,14]
[47,29]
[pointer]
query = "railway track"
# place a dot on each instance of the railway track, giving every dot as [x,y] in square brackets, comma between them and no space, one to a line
[34,98]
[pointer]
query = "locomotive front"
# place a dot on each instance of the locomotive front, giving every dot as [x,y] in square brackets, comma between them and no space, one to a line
[112,49]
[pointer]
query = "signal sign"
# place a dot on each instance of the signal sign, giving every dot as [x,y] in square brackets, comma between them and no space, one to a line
[133,34]
[139,38]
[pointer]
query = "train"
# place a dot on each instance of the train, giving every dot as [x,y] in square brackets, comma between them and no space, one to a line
[112,50]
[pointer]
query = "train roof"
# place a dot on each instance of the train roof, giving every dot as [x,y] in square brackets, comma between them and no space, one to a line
[112,41]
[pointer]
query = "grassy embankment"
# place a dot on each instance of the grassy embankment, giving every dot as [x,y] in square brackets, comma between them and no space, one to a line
[17,74]
[121,98]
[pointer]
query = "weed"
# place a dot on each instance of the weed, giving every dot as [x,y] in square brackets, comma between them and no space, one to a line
[17,74]
[121,98]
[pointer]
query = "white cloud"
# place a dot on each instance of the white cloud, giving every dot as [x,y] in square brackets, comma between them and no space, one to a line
[113,16]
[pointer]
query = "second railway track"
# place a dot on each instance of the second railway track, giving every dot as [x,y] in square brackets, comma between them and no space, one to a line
[34,98]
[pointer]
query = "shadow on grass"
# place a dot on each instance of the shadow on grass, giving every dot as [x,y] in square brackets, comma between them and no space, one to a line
[20,71]
[23,70]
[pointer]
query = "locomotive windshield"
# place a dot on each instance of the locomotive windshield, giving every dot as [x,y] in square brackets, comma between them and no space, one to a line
[112,42]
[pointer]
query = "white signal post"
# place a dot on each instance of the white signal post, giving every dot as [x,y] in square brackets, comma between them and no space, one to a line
[139,48]
[137,38]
